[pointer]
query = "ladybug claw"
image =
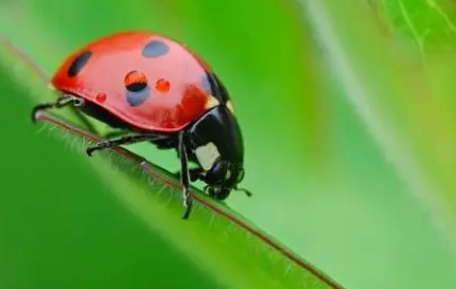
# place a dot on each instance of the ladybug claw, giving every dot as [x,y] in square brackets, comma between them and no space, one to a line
[38,111]
[89,151]
[145,167]
[186,214]
[188,203]
[36,114]
[188,210]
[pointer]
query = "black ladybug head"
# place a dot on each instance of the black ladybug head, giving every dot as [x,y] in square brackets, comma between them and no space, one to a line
[219,193]
[224,177]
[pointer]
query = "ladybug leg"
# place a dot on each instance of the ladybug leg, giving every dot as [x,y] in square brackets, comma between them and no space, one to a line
[114,134]
[125,140]
[61,102]
[185,176]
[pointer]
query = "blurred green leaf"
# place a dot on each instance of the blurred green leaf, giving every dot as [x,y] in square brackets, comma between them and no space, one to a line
[428,25]
[394,96]
[372,94]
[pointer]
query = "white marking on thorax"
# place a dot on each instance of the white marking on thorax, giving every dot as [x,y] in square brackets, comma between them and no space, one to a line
[230,106]
[207,155]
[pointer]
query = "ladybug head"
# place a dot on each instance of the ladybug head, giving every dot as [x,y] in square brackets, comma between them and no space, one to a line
[221,193]
[223,177]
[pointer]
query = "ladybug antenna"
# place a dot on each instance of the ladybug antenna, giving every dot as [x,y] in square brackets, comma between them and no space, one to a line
[247,192]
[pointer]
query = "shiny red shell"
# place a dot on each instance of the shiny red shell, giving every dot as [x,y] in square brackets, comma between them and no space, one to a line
[147,80]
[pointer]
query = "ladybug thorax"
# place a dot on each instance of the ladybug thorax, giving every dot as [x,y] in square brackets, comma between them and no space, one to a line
[216,144]
[148,81]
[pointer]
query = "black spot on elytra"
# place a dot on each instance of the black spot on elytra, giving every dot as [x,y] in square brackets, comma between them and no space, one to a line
[155,48]
[138,93]
[215,87]
[137,86]
[79,63]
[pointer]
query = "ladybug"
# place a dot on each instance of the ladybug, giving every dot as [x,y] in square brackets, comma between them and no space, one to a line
[158,91]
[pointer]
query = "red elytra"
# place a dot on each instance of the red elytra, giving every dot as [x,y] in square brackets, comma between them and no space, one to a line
[149,81]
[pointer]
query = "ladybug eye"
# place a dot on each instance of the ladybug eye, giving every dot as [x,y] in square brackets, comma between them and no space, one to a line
[135,81]
[240,176]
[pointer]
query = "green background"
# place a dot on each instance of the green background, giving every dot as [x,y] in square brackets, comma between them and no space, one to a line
[322,184]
